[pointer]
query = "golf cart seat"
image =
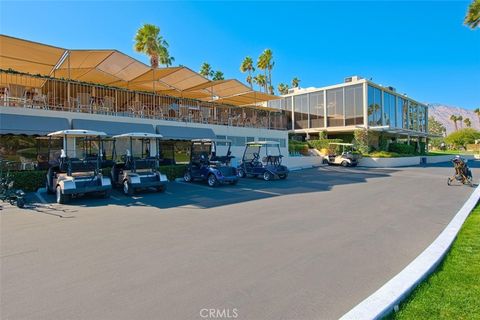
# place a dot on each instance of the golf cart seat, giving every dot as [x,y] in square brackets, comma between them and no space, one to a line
[148,163]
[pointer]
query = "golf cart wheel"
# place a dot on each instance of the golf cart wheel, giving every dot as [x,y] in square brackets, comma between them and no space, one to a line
[61,197]
[127,188]
[325,161]
[267,176]
[241,173]
[20,202]
[187,177]
[449,181]
[212,180]
[344,163]
[283,176]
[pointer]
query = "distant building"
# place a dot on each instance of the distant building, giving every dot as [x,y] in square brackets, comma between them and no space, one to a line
[356,103]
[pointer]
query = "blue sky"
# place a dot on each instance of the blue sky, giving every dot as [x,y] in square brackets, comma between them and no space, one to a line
[421,48]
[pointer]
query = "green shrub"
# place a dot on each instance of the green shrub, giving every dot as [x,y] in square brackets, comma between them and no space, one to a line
[401,148]
[383,154]
[173,171]
[29,180]
[382,143]
[361,140]
[295,146]
[322,143]
[463,137]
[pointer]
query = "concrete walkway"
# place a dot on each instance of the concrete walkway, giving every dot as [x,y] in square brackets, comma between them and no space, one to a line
[310,247]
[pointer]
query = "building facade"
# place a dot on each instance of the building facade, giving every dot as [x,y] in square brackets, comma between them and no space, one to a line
[356,103]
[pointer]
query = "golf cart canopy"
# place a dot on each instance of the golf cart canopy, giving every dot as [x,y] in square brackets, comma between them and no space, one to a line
[77,133]
[212,140]
[139,135]
[262,143]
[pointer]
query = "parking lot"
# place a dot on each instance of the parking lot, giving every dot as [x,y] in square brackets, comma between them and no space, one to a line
[309,247]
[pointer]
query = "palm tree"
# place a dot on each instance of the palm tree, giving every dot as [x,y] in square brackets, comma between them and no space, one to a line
[271,89]
[149,41]
[467,122]
[247,66]
[454,119]
[472,19]
[206,70]
[460,118]
[264,63]
[261,81]
[295,82]
[477,112]
[166,59]
[218,75]
[283,88]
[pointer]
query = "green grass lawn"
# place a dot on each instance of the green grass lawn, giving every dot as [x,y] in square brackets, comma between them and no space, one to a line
[453,291]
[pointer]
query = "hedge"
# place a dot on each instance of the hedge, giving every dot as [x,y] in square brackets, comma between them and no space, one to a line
[295,146]
[173,171]
[401,148]
[28,180]
[323,143]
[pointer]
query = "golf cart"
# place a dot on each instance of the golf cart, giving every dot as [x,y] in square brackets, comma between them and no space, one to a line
[206,164]
[75,169]
[347,157]
[138,167]
[268,167]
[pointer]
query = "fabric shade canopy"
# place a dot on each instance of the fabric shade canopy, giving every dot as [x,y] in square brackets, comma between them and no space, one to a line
[111,127]
[114,68]
[31,125]
[185,133]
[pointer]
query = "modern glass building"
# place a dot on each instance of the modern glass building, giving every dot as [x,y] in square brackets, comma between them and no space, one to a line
[356,103]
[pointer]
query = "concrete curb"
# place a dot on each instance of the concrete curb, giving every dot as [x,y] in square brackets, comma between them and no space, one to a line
[391,294]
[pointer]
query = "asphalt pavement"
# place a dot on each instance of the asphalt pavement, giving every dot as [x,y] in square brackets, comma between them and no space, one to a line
[309,247]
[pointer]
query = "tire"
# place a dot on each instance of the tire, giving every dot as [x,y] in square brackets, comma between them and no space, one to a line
[267,176]
[20,202]
[212,180]
[61,198]
[325,161]
[449,181]
[283,176]
[127,188]
[344,163]
[241,173]
[187,177]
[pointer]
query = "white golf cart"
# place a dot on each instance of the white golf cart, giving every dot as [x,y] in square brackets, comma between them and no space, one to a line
[138,166]
[342,154]
[75,170]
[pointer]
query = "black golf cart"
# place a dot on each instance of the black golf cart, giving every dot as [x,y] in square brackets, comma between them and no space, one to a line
[75,169]
[268,166]
[138,166]
[207,165]
[7,191]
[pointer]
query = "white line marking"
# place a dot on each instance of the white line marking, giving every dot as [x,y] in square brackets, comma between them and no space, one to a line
[39,196]
[116,198]
[262,191]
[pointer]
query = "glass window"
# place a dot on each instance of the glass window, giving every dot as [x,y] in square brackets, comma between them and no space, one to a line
[237,141]
[335,116]
[413,116]
[354,105]
[288,112]
[389,114]
[317,110]
[399,110]
[301,111]
[374,106]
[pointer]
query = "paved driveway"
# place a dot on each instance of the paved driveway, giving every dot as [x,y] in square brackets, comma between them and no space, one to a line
[310,247]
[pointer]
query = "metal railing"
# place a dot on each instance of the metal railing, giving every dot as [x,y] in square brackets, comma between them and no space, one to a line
[30,91]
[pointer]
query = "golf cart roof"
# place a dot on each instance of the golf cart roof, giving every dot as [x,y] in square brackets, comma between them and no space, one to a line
[138,135]
[212,140]
[341,144]
[262,143]
[77,133]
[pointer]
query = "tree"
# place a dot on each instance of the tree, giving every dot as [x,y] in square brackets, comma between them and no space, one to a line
[460,119]
[261,81]
[295,82]
[218,75]
[467,122]
[283,88]
[149,41]
[463,137]
[477,112]
[472,19]
[454,119]
[206,70]
[271,90]
[264,63]
[166,59]
[436,127]
[247,66]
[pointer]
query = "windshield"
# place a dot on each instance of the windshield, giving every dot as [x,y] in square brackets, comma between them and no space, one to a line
[251,151]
